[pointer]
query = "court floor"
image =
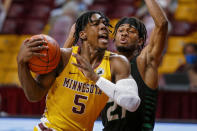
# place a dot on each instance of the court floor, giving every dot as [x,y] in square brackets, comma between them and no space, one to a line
[26,124]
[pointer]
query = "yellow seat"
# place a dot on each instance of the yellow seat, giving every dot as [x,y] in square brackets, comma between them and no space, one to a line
[13,61]
[8,42]
[11,77]
[4,59]
[186,12]
[176,43]
[2,76]
[21,39]
[46,29]
[171,62]
[194,36]
[113,22]
[186,1]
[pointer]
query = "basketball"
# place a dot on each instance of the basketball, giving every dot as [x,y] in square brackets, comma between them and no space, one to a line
[44,65]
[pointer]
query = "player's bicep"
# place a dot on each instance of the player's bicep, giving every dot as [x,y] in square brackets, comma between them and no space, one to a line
[157,42]
[46,81]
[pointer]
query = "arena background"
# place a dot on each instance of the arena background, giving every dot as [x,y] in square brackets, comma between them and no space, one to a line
[20,19]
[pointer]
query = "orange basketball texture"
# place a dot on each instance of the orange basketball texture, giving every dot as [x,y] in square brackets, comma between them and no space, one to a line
[43,65]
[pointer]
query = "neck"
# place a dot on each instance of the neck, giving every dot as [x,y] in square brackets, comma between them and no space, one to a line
[95,54]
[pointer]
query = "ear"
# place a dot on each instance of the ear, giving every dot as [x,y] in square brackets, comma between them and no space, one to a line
[140,41]
[83,35]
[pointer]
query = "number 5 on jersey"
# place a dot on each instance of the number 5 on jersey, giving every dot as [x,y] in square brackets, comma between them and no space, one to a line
[81,106]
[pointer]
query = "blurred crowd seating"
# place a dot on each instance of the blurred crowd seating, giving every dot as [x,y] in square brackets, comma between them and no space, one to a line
[171,104]
[9,47]
[25,18]
[183,31]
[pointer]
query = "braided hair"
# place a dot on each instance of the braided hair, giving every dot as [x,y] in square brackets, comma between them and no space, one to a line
[83,20]
[139,25]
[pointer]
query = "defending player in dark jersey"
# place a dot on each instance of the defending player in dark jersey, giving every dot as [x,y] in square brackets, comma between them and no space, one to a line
[130,36]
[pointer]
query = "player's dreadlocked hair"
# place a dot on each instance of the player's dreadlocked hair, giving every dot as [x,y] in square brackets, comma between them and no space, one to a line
[83,20]
[137,24]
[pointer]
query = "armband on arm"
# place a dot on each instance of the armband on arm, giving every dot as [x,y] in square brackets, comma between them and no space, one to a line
[124,92]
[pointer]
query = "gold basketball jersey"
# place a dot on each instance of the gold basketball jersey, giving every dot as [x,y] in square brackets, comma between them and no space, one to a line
[74,102]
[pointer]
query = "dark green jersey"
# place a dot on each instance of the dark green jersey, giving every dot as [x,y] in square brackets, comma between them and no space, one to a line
[115,118]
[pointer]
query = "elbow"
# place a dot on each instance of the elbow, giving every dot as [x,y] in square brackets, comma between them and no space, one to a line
[130,103]
[133,104]
[163,24]
[32,98]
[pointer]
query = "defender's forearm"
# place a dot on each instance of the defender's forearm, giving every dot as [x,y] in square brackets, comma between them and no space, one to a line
[156,12]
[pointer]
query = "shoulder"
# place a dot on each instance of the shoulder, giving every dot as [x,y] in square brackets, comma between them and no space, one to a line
[119,63]
[65,56]
[65,51]
[116,58]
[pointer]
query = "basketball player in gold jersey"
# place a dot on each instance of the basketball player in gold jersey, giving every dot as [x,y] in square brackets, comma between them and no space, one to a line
[78,89]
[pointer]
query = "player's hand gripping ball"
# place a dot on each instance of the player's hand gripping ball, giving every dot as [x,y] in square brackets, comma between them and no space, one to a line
[44,65]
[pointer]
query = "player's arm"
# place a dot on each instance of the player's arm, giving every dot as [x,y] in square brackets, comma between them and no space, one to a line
[34,89]
[124,92]
[157,39]
[70,40]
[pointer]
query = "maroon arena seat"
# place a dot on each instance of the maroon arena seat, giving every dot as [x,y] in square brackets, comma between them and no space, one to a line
[32,26]
[16,10]
[10,26]
[181,28]
[122,11]
[99,7]
[39,11]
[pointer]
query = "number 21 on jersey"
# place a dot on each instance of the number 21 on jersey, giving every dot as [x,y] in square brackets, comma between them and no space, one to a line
[114,111]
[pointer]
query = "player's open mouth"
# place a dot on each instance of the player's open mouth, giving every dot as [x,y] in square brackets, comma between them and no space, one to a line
[103,37]
[123,40]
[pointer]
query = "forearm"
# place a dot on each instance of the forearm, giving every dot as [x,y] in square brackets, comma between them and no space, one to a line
[156,12]
[124,92]
[31,88]
[69,42]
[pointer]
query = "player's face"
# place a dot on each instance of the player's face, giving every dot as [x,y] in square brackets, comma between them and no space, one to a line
[126,38]
[189,50]
[97,32]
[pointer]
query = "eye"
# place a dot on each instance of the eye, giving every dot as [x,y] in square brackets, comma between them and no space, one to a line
[97,22]
[105,23]
[131,31]
[120,30]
